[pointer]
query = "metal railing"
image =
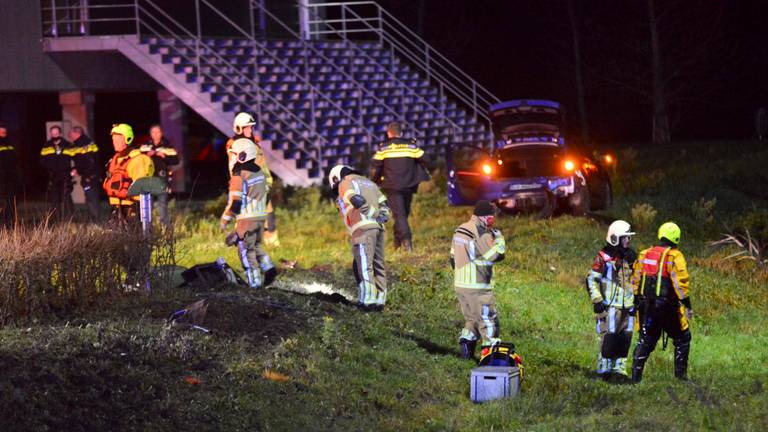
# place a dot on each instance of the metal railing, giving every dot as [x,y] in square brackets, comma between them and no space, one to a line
[147,19]
[369,20]
[259,9]
[390,72]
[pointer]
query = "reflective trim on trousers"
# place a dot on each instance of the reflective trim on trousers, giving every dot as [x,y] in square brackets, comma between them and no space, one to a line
[611,320]
[365,284]
[489,329]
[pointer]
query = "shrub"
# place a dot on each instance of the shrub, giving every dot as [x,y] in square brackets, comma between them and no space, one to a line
[643,215]
[57,269]
[703,210]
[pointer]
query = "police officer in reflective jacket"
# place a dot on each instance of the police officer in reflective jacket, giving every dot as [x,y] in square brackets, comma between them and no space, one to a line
[398,167]
[56,157]
[661,285]
[86,156]
[163,156]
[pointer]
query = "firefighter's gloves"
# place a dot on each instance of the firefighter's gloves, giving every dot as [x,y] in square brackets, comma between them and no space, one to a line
[231,239]
[599,307]
[383,216]
[357,201]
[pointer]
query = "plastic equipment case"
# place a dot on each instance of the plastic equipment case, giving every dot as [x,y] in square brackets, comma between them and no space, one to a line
[494,382]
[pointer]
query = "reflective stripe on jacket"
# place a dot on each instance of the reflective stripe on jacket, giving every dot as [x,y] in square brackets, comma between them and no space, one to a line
[609,281]
[399,164]
[653,279]
[365,216]
[474,251]
[123,170]
[248,189]
[261,159]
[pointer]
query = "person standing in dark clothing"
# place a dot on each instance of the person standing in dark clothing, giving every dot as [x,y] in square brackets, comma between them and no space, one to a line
[56,157]
[163,156]
[398,167]
[8,179]
[86,154]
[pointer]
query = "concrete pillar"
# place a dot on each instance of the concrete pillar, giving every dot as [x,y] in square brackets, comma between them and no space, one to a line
[175,131]
[77,110]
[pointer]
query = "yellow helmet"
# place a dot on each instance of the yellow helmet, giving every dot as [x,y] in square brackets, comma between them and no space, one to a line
[125,130]
[670,231]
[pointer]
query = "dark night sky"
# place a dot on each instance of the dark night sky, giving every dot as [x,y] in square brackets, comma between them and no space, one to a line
[522,48]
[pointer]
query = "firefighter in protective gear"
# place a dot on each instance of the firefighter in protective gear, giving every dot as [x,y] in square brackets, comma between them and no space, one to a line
[86,164]
[609,288]
[163,156]
[661,285]
[56,157]
[247,204]
[398,167]
[8,179]
[242,126]
[476,247]
[126,166]
[364,210]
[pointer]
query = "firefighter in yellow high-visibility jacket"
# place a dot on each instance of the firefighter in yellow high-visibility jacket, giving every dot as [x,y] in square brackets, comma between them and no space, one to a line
[475,249]
[661,285]
[126,166]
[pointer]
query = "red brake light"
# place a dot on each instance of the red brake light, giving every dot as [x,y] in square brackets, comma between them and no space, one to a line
[487,169]
[569,165]
[608,159]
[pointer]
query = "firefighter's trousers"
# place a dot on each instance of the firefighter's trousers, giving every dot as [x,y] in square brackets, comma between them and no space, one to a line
[480,318]
[368,266]
[255,260]
[615,327]
[668,316]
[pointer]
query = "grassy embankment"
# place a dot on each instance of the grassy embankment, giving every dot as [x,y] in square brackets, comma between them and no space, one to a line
[120,368]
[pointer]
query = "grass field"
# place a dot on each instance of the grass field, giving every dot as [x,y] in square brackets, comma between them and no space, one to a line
[282,361]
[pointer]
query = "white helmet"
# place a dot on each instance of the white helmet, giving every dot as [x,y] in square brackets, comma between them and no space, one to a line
[243,150]
[242,120]
[334,177]
[616,231]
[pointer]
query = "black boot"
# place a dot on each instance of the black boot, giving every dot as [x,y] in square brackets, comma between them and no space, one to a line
[637,374]
[407,245]
[467,348]
[682,349]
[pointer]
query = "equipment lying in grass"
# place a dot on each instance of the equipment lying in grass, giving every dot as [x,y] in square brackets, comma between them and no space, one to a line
[211,274]
[499,374]
[192,316]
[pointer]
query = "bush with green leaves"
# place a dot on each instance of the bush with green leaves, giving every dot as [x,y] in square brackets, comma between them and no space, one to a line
[643,216]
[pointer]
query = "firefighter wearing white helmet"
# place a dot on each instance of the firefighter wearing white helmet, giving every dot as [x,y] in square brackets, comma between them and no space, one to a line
[364,211]
[242,126]
[609,287]
[247,205]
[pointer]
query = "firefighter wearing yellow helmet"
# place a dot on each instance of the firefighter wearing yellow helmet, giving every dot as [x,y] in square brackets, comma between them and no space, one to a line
[126,166]
[242,126]
[661,286]
[609,288]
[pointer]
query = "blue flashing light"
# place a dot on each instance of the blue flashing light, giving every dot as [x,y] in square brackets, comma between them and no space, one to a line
[525,102]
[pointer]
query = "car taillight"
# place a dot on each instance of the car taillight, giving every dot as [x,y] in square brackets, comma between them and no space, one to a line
[569,165]
[487,169]
[608,159]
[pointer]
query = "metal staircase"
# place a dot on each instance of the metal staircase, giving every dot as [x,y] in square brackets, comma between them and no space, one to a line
[320,97]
